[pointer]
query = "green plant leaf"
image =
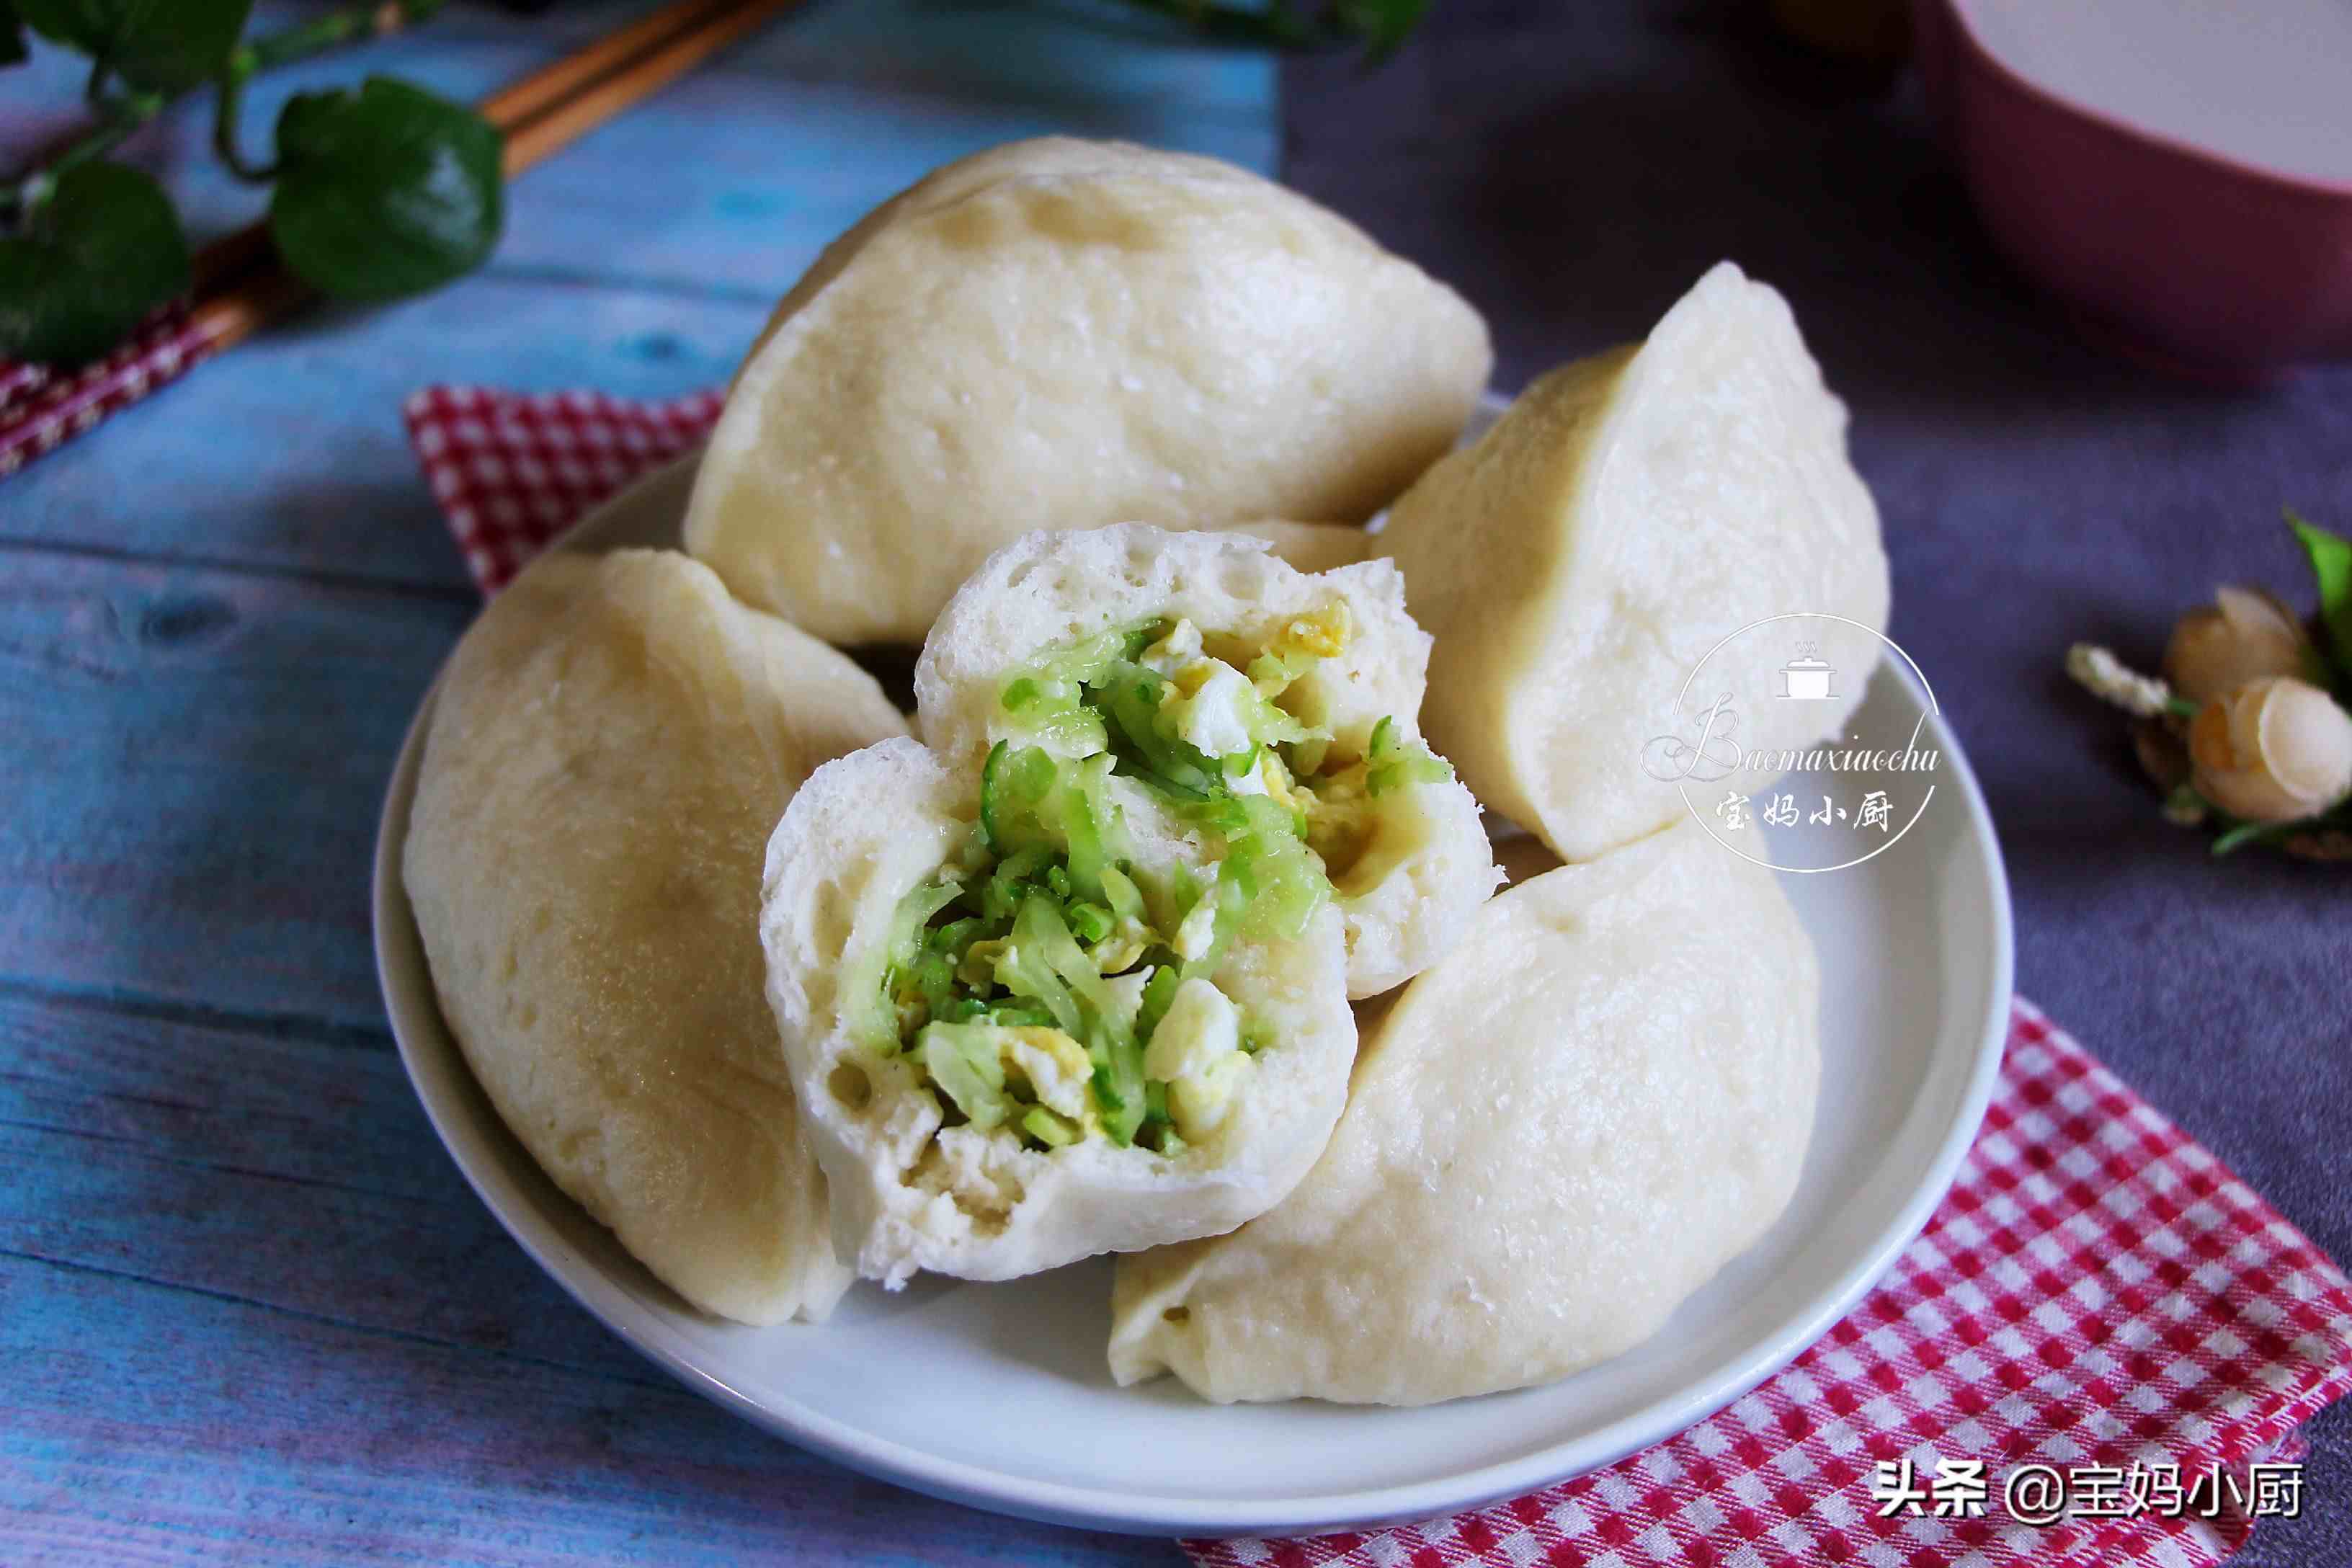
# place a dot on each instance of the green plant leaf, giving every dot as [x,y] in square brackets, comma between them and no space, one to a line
[13,51]
[2241,835]
[384,191]
[103,249]
[165,46]
[1382,24]
[2331,568]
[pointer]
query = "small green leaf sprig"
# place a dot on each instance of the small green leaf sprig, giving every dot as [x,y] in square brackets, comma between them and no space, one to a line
[375,193]
[2250,727]
[1375,27]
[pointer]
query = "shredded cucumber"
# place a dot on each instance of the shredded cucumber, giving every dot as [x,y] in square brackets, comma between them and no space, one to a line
[1391,762]
[962,1060]
[1006,955]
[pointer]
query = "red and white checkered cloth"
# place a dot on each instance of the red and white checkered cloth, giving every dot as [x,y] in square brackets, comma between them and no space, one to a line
[2097,1295]
[2096,1292]
[44,406]
[512,471]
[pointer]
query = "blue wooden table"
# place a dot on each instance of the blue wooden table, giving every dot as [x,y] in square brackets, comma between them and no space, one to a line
[247,1309]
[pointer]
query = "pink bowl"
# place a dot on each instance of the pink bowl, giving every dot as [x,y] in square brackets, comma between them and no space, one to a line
[2178,253]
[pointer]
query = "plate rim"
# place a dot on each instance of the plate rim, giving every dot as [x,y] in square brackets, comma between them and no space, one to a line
[398,952]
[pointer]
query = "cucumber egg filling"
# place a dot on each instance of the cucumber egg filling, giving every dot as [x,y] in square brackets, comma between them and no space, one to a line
[1049,987]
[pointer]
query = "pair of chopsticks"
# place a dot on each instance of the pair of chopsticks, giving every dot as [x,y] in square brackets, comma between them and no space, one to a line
[239,287]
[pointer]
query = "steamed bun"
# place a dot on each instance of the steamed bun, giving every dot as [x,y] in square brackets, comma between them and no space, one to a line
[1071,976]
[917,1187]
[1628,512]
[1059,334]
[609,748]
[1311,547]
[1409,881]
[1554,1136]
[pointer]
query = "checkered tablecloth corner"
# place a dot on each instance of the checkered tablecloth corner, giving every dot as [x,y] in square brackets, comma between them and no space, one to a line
[512,471]
[2096,1294]
[44,406]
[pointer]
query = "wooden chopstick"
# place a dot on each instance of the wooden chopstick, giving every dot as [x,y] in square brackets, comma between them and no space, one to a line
[566,121]
[545,87]
[241,289]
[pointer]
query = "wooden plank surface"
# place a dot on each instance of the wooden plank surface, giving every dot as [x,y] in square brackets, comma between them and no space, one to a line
[297,462]
[641,260]
[194,761]
[242,1434]
[292,1173]
[727,182]
[248,1309]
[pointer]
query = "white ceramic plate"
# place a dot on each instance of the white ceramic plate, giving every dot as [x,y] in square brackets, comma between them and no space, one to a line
[998,1396]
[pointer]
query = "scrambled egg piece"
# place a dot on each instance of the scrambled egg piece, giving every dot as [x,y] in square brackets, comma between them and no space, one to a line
[1172,652]
[1127,997]
[1197,1052]
[1198,931]
[1275,781]
[1207,698]
[1056,1068]
[1118,952]
[980,961]
[1212,704]
[1323,635]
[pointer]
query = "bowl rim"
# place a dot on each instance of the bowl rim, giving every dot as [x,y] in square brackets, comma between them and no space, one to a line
[2301,187]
